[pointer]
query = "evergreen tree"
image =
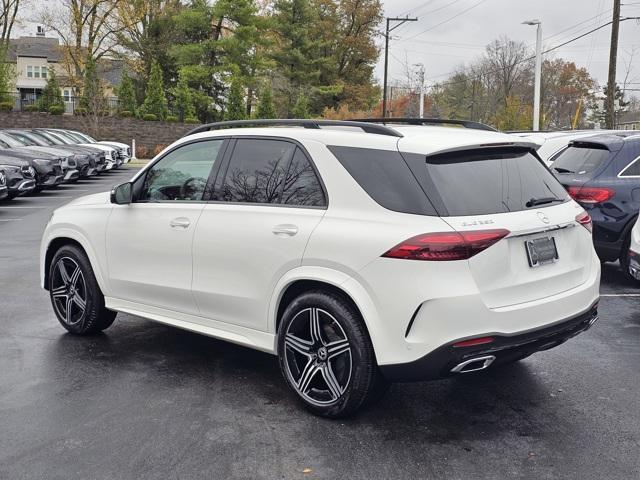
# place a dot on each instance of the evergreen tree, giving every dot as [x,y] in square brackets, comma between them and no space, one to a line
[301,108]
[155,101]
[236,108]
[92,100]
[127,95]
[50,93]
[265,103]
[183,100]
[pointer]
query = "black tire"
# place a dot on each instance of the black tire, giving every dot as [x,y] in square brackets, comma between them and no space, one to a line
[345,373]
[75,295]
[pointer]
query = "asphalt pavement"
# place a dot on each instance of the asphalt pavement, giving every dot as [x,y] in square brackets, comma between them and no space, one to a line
[147,401]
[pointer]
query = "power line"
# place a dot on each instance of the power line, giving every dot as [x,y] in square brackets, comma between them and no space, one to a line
[447,20]
[531,57]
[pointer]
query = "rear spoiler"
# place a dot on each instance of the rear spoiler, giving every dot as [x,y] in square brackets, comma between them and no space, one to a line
[463,148]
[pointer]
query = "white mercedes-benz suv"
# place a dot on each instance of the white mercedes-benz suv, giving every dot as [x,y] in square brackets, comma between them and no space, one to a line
[358,253]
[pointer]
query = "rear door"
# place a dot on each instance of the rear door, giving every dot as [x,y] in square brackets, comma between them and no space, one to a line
[268,199]
[546,251]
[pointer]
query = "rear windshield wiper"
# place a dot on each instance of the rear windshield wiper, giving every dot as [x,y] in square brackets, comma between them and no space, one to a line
[541,201]
[562,170]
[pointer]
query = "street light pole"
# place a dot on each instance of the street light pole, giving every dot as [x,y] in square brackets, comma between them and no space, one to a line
[421,80]
[538,74]
[386,55]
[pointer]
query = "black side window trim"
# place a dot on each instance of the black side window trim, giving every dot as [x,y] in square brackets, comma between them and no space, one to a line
[221,173]
[138,182]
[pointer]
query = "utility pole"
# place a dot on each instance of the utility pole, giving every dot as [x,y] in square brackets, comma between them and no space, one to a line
[613,57]
[386,55]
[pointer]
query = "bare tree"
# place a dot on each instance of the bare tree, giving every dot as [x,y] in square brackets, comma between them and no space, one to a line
[87,29]
[8,18]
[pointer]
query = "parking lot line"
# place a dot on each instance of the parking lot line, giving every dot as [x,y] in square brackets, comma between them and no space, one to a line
[620,295]
[9,219]
[17,206]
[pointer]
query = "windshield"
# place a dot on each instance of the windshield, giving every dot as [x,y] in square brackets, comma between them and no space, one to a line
[61,138]
[41,138]
[50,138]
[580,159]
[16,141]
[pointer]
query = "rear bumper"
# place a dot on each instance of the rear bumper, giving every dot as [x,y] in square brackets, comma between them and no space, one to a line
[442,362]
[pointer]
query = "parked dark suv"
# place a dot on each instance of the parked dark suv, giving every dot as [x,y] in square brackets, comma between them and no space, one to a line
[602,173]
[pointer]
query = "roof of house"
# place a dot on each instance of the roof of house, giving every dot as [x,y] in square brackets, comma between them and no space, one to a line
[39,47]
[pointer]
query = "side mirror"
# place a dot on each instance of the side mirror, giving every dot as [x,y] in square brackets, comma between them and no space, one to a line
[122,194]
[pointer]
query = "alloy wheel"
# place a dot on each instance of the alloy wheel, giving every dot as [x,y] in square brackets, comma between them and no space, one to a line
[317,356]
[69,291]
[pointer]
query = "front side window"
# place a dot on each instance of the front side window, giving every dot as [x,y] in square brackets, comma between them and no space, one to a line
[182,174]
[257,171]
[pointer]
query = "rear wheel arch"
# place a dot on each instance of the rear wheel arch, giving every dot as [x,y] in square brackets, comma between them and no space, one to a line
[297,287]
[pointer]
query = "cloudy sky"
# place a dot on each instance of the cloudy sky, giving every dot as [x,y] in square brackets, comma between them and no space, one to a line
[453,32]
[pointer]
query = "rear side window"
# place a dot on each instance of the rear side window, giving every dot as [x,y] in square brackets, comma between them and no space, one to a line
[256,171]
[301,185]
[481,182]
[580,159]
[385,176]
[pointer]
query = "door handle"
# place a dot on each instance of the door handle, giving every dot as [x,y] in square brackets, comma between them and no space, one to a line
[285,230]
[180,222]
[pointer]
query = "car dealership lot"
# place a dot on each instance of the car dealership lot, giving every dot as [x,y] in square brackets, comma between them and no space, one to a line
[145,400]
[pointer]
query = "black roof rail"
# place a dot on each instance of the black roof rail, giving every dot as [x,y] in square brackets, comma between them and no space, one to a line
[428,121]
[306,123]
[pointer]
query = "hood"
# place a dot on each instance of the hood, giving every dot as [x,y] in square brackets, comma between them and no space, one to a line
[57,151]
[93,199]
[26,153]
[15,161]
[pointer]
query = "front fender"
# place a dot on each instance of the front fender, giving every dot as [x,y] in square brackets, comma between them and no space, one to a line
[57,231]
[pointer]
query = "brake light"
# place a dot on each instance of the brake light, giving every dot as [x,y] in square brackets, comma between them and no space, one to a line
[473,342]
[445,246]
[591,194]
[584,219]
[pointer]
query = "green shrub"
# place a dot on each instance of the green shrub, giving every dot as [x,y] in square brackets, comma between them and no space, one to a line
[6,106]
[31,108]
[171,118]
[191,120]
[56,110]
[126,114]
[150,117]
[80,111]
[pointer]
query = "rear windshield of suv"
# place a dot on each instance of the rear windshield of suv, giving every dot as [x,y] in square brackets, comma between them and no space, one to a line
[481,182]
[580,159]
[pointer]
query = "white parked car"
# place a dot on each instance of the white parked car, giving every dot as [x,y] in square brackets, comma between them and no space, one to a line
[385,253]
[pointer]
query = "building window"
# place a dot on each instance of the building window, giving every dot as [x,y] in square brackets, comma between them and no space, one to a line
[29,71]
[36,72]
[43,71]
[66,94]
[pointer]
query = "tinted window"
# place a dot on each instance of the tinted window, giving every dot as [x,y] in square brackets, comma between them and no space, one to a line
[580,159]
[385,176]
[257,171]
[488,181]
[301,185]
[182,174]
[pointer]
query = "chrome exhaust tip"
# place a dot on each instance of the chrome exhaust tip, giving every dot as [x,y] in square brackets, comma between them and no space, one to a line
[474,364]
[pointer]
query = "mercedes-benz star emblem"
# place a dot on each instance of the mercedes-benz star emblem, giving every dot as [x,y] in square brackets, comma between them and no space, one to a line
[543,217]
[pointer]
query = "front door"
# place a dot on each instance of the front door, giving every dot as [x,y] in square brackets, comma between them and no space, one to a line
[149,241]
[268,203]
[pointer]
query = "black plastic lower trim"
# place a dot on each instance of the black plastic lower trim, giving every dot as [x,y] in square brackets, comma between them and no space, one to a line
[505,348]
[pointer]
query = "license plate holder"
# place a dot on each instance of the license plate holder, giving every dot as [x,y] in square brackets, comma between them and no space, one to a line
[541,251]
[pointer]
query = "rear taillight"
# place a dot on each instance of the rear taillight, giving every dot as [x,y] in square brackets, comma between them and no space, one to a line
[584,219]
[591,194]
[473,342]
[444,246]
